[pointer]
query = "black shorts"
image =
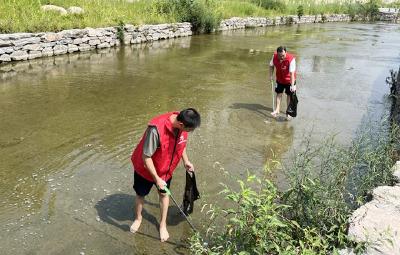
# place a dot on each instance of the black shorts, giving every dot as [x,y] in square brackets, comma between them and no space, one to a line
[279,88]
[142,186]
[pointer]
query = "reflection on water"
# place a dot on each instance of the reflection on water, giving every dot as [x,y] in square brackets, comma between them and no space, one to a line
[69,124]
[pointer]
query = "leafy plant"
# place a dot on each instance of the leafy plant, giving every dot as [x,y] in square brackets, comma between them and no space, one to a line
[300,11]
[120,31]
[326,183]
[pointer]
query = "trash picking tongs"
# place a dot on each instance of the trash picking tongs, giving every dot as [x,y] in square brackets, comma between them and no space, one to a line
[180,209]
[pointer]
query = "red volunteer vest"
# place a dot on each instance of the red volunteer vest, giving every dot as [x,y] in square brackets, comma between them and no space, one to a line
[168,155]
[282,68]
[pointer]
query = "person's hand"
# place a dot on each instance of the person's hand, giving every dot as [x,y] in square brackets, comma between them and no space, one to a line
[161,184]
[293,88]
[189,166]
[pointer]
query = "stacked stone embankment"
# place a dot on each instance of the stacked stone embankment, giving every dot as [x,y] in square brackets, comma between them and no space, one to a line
[238,23]
[25,46]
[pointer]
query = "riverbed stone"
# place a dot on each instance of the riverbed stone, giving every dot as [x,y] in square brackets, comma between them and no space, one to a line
[75,10]
[94,42]
[72,48]
[25,41]
[84,47]
[60,49]
[72,33]
[49,44]
[47,52]
[5,43]
[94,32]
[5,58]
[19,55]
[35,54]
[33,47]
[377,222]
[51,37]
[18,36]
[6,50]
[77,41]
[103,45]
[54,8]
[65,41]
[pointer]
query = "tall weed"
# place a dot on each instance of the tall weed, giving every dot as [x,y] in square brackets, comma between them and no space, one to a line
[326,183]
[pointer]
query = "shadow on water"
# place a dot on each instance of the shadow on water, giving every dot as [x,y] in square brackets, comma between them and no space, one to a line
[258,108]
[117,209]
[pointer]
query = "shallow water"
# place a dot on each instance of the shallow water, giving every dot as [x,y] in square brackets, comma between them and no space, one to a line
[69,124]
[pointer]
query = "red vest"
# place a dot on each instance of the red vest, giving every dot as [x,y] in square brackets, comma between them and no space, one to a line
[282,68]
[168,155]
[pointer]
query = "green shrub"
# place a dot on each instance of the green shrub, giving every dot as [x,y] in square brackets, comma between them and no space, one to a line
[372,9]
[300,11]
[326,182]
[200,13]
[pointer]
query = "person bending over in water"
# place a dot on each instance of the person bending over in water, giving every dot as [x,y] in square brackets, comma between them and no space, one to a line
[155,158]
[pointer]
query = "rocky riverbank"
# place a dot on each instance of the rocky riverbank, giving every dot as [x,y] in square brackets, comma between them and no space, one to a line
[26,46]
[377,222]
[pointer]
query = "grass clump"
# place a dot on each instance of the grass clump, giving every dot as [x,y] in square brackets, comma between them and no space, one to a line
[326,183]
[200,13]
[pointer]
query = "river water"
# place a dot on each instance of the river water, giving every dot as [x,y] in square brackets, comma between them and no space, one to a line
[69,124]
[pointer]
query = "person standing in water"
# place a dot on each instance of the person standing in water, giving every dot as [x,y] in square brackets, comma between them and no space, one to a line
[285,65]
[155,158]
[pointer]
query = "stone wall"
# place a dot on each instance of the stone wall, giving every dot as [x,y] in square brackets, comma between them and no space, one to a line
[237,23]
[25,46]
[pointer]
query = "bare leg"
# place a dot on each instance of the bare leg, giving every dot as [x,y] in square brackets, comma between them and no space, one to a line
[278,105]
[164,203]
[139,201]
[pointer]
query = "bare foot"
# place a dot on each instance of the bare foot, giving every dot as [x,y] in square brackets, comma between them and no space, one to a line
[274,114]
[288,117]
[163,234]
[135,225]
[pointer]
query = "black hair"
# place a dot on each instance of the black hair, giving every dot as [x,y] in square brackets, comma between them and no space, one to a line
[189,117]
[281,49]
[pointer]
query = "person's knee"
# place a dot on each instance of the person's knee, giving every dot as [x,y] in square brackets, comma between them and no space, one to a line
[162,195]
[140,198]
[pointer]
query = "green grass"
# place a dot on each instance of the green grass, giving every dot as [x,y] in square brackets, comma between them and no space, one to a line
[26,15]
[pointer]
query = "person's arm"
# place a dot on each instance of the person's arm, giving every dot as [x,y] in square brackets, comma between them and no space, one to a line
[187,164]
[148,162]
[271,72]
[292,70]
[271,69]
[151,143]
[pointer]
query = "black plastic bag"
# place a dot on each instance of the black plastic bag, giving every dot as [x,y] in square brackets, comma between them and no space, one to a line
[191,193]
[292,108]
